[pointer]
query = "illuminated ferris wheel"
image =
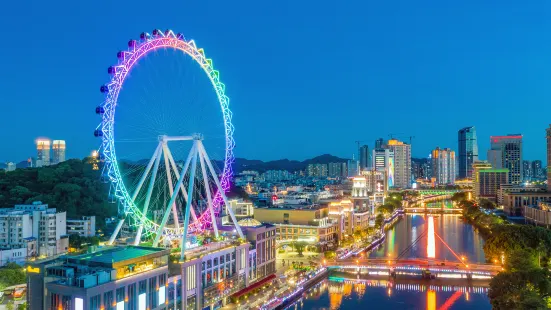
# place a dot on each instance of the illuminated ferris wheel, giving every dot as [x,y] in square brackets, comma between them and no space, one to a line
[179,190]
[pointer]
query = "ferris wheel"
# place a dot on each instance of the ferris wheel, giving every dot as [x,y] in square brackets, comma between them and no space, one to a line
[166,197]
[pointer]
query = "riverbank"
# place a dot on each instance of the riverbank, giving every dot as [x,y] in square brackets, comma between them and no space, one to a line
[280,302]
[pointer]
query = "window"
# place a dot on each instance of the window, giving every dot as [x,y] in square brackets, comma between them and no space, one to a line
[108,300]
[95,302]
[132,300]
[120,294]
[153,292]
[143,287]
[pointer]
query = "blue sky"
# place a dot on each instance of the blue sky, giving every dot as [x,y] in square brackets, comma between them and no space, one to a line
[304,77]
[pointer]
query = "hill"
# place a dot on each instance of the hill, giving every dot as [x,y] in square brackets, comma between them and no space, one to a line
[70,186]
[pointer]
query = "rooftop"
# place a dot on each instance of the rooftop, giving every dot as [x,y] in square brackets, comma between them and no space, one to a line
[118,254]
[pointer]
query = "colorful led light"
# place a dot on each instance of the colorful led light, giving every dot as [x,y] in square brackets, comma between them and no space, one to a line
[127,60]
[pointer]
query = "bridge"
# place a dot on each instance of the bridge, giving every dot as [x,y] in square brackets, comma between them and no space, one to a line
[429,267]
[430,204]
[434,192]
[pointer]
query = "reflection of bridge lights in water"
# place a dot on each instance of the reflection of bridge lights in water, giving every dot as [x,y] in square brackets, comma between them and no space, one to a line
[431,246]
[431,300]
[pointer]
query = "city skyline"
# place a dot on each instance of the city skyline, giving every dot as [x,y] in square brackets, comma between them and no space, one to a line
[486,66]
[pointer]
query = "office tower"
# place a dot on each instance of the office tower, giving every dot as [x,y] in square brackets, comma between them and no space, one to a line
[383,160]
[467,151]
[379,143]
[506,153]
[489,183]
[549,158]
[527,170]
[537,170]
[402,163]
[443,166]
[42,152]
[477,167]
[353,168]
[364,157]
[58,148]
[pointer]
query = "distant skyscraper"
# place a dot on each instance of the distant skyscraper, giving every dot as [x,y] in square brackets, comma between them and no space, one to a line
[58,148]
[364,157]
[467,151]
[10,166]
[353,168]
[336,170]
[549,158]
[42,152]
[383,160]
[443,166]
[537,170]
[379,143]
[402,163]
[317,170]
[527,170]
[506,152]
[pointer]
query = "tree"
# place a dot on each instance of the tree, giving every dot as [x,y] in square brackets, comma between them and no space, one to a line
[10,305]
[379,220]
[299,246]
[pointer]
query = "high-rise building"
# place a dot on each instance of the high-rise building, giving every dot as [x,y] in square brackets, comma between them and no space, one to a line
[379,143]
[317,170]
[352,166]
[549,158]
[383,160]
[42,152]
[58,148]
[364,157]
[337,170]
[506,153]
[537,170]
[402,163]
[477,167]
[443,166]
[489,182]
[10,166]
[467,151]
[527,170]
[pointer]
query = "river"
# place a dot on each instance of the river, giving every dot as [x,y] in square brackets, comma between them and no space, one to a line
[348,292]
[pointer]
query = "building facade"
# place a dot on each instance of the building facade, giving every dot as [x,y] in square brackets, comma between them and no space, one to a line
[514,203]
[364,157]
[317,170]
[26,225]
[42,152]
[128,277]
[506,153]
[383,160]
[402,163]
[58,148]
[443,166]
[467,148]
[85,226]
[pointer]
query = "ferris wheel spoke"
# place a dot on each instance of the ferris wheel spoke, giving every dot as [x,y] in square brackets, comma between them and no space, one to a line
[175,194]
[170,188]
[147,169]
[177,174]
[220,189]
[148,195]
[210,206]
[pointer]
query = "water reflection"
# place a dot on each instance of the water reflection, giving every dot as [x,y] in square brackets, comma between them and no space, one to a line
[344,294]
[460,236]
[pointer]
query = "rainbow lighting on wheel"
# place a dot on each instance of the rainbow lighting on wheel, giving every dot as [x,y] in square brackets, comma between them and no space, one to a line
[165,197]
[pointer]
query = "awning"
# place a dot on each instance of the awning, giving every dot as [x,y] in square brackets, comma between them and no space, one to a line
[254,286]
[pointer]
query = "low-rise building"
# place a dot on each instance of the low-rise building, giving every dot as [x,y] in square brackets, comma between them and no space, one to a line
[541,215]
[36,222]
[122,277]
[310,224]
[85,226]
[507,188]
[514,203]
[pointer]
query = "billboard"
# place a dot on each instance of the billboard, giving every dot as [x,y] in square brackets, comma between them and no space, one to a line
[390,171]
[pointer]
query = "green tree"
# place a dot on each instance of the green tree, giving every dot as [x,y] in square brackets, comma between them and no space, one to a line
[379,220]
[299,246]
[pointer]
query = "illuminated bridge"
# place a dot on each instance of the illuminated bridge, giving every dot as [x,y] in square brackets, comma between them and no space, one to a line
[429,267]
[432,204]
